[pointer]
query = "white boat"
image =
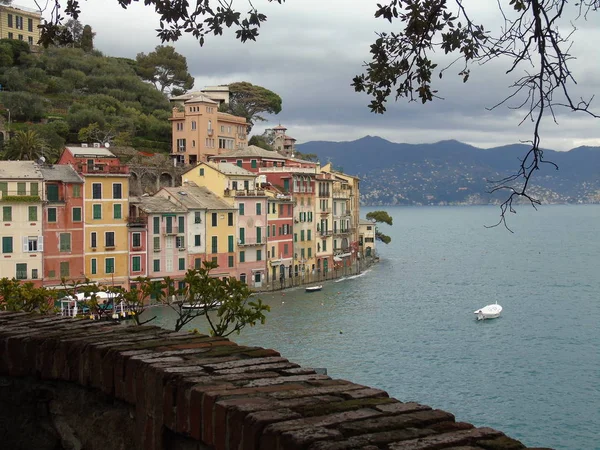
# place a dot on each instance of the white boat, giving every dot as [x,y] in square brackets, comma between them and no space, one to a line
[314,288]
[213,305]
[489,312]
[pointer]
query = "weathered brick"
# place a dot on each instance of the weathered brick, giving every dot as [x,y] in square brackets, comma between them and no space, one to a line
[245,362]
[417,419]
[365,393]
[446,439]
[376,439]
[401,408]
[256,368]
[255,423]
[290,379]
[227,409]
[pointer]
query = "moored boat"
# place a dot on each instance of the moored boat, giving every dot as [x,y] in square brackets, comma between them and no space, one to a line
[314,288]
[213,305]
[489,312]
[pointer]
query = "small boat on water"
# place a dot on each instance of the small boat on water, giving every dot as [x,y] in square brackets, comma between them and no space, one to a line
[314,288]
[489,312]
[213,305]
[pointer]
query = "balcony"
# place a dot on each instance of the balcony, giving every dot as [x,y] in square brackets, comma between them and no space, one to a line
[102,169]
[171,230]
[248,242]
[344,231]
[324,194]
[341,193]
[250,193]
[242,137]
[14,197]
[210,132]
[137,222]
[325,211]
[325,233]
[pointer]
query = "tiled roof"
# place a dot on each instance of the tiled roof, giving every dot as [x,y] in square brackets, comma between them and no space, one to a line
[365,222]
[159,204]
[20,169]
[201,99]
[197,197]
[233,169]
[60,172]
[252,151]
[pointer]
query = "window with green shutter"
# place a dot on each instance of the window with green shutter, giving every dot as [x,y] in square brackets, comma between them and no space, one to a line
[308,235]
[136,263]
[197,241]
[239,162]
[52,192]
[230,244]
[309,252]
[156,225]
[109,265]
[97,211]
[76,191]
[242,256]
[253,163]
[156,264]
[3,188]
[214,246]
[259,255]
[197,263]
[65,242]
[156,243]
[94,267]
[301,235]
[7,244]
[230,261]
[181,263]
[51,214]
[241,209]
[258,209]
[32,213]
[64,269]
[77,214]
[181,224]
[34,189]
[242,235]
[258,235]
[7,213]
[117,211]
[21,188]
[21,271]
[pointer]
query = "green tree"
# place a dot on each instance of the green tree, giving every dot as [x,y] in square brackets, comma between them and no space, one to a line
[24,106]
[229,297]
[25,145]
[75,29]
[381,217]
[17,296]
[165,68]
[260,141]
[87,39]
[249,101]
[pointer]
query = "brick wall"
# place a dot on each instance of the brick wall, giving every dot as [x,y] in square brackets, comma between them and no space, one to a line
[211,391]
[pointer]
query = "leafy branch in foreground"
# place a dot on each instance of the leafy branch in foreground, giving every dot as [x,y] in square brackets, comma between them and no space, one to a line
[381,217]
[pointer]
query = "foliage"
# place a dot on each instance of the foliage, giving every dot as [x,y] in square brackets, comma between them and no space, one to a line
[87,39]
[380,216]
[260,141]
[15,48]
[135,300]
[249,101]
[24,106]
[18,296]
[165,68]
[25,145]
[313,157]
[207,293]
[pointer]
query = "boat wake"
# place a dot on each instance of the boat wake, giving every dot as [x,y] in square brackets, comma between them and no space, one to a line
[362,274]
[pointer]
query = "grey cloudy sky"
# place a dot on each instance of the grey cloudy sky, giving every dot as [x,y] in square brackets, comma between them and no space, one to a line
[308,52]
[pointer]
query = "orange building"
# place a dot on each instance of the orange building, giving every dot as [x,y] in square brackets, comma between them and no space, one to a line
[200,131]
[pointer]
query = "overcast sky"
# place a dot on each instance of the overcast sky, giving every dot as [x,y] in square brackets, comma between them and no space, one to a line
[308,52]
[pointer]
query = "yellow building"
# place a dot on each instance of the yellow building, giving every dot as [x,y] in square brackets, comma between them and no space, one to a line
[200,131]
[21,220]
[106,205]
[19,22]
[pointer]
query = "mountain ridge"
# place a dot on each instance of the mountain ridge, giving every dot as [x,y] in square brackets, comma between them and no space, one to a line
[453,172]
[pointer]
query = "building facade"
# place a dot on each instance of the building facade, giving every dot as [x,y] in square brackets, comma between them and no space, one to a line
[21,23]
[200,131]
[21,200]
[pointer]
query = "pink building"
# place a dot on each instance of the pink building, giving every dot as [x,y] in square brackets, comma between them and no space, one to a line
[63,225]
[137,223]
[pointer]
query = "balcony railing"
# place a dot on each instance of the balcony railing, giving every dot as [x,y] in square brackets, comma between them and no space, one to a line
[325,232]
[102,169]
[325,211]
[251,241]
[324,194]
[344,231]
[341,193]
[250,193]
[171,230]
[15,197]
[137,222]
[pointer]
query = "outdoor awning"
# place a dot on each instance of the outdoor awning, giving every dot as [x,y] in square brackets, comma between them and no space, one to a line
[337,259]
[344,255]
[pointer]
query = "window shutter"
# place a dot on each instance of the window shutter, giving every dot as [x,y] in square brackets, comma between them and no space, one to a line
[41,243]
[25,244]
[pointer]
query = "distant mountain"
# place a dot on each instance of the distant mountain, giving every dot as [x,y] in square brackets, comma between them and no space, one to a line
[451,172]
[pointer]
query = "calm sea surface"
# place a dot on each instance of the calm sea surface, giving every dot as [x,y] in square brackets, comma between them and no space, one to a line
[407,325]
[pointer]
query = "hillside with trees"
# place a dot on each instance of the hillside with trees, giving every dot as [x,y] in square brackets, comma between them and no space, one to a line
[76,94]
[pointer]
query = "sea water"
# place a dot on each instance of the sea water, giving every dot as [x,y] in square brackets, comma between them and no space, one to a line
[407,325]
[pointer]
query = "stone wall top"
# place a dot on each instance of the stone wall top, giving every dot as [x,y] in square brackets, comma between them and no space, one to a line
[223,395]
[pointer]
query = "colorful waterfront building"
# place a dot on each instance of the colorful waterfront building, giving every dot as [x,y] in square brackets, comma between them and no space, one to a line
[106,203]
[241,189]
[21,197]
[366,239]
[63,225]
[200,130]
[212,235]
[280,244]
[324,186]
[166,238]
[343,252]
